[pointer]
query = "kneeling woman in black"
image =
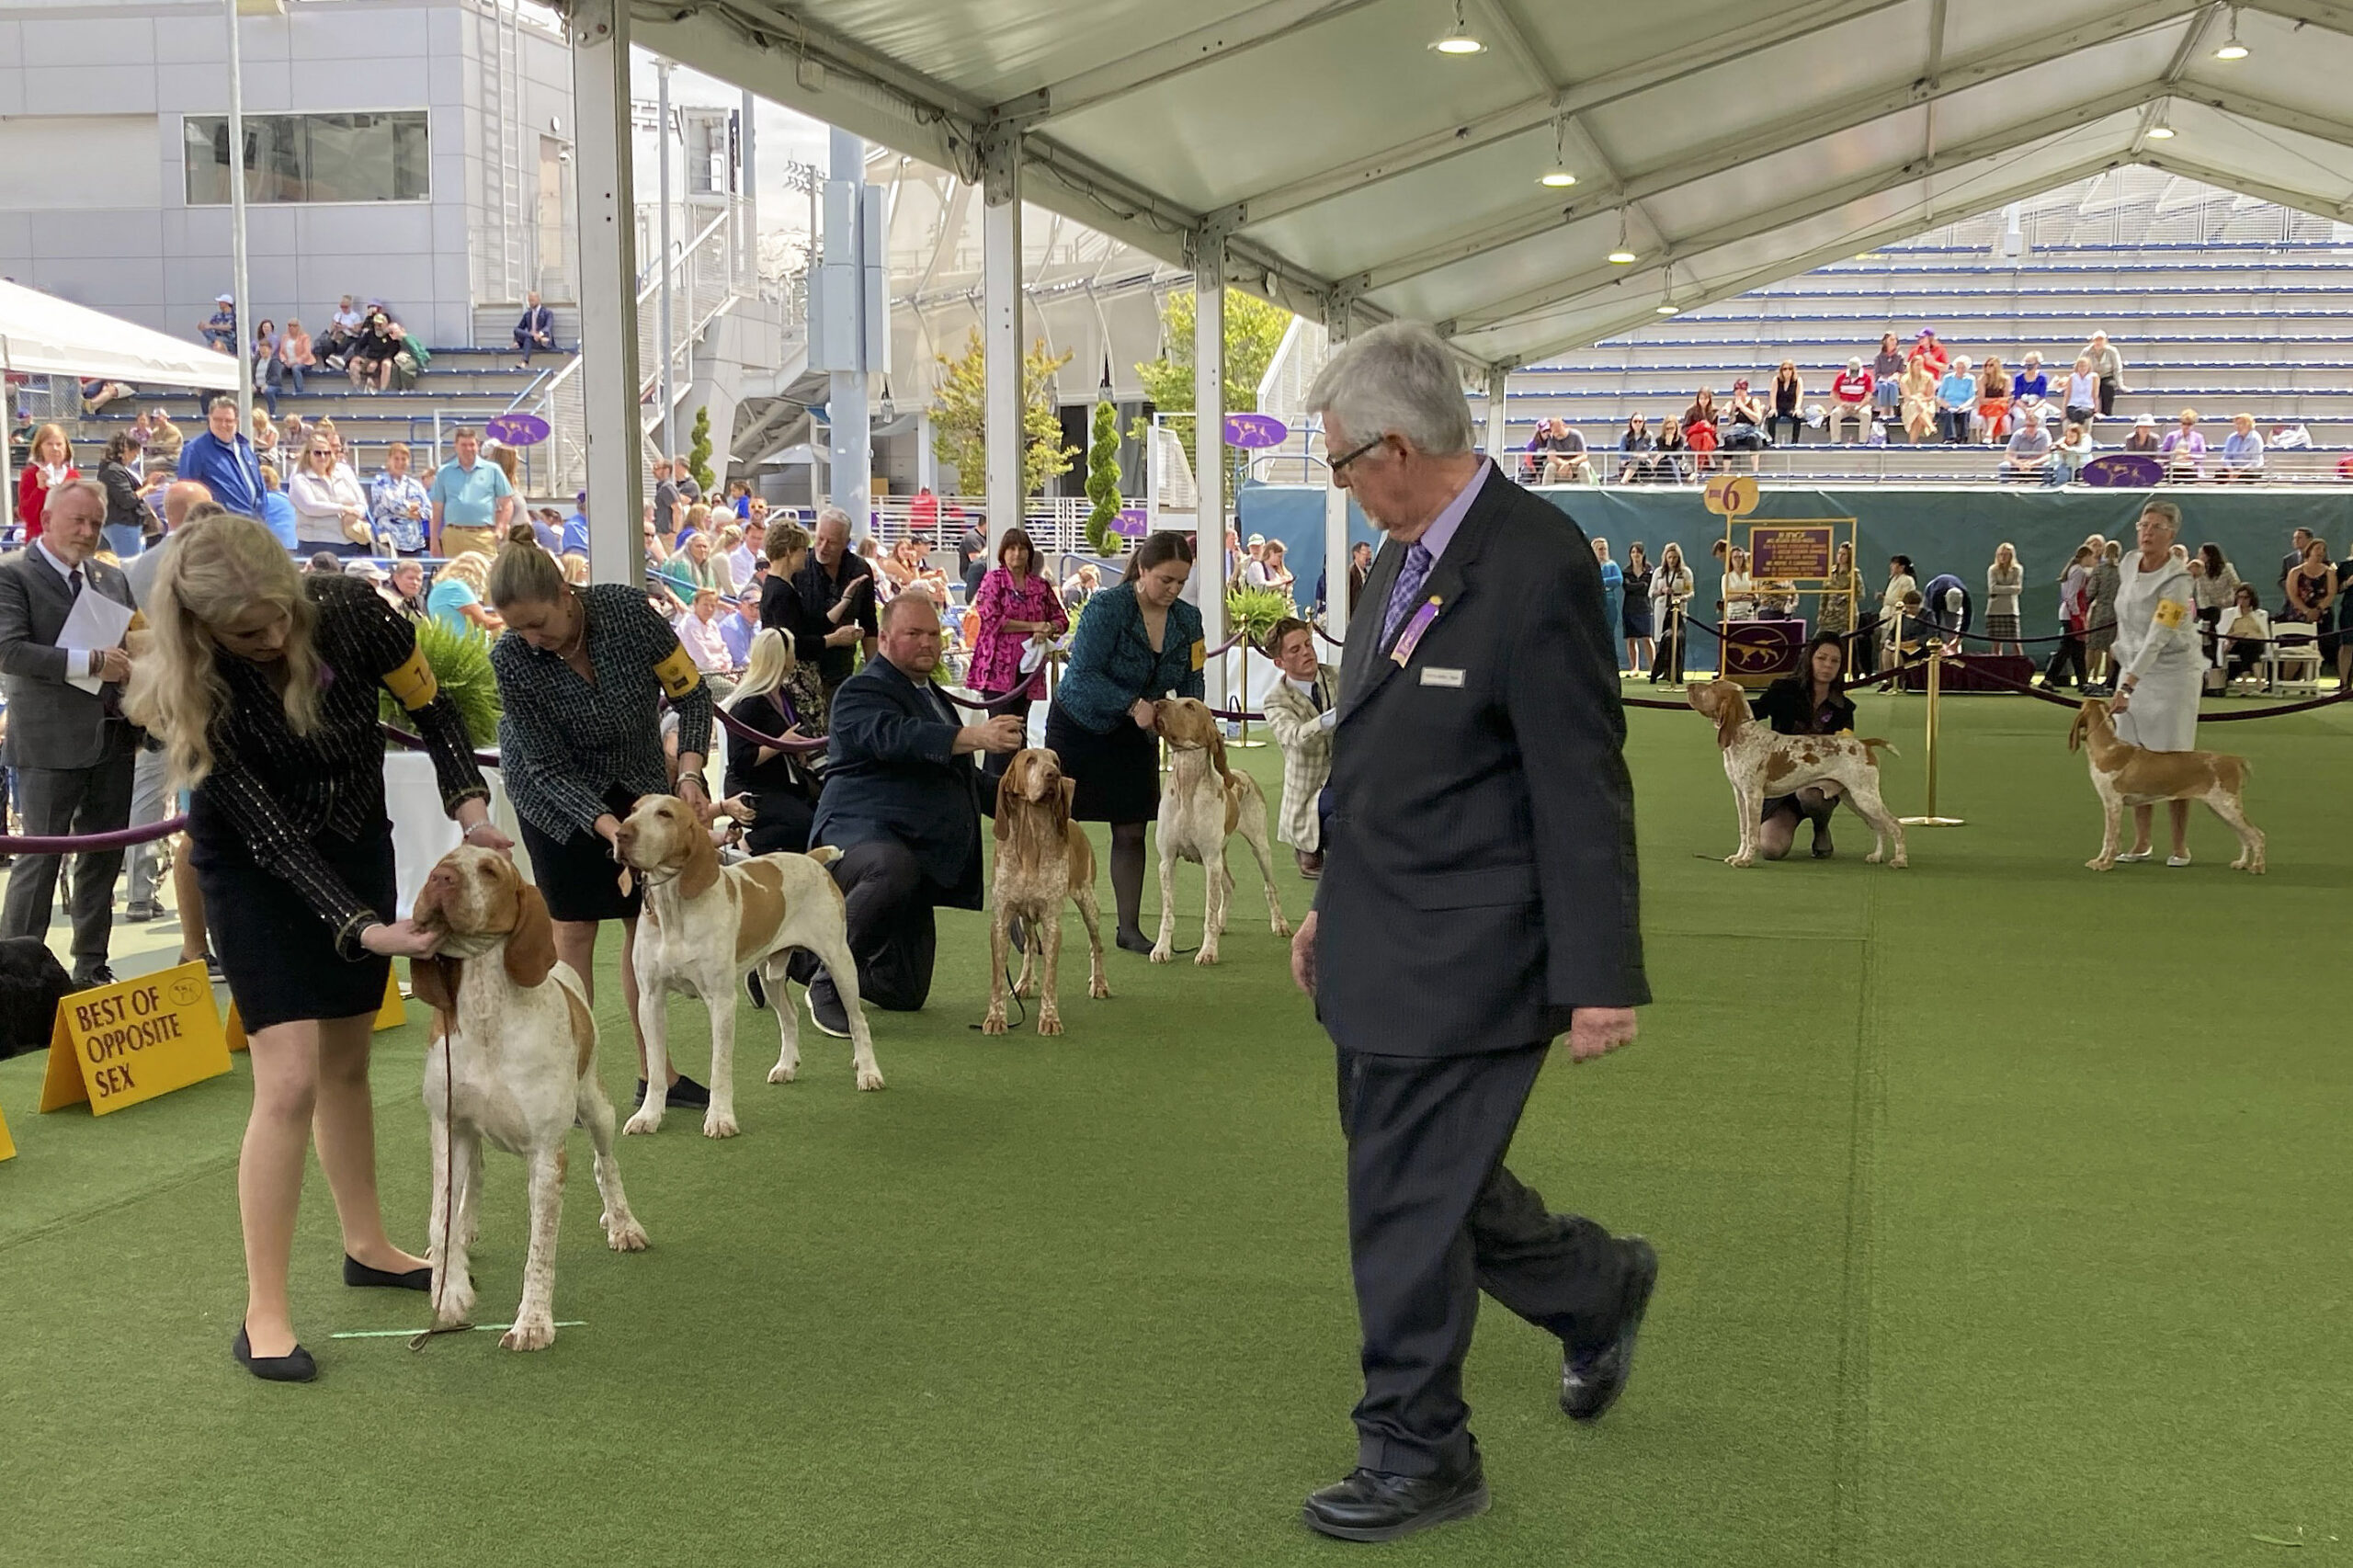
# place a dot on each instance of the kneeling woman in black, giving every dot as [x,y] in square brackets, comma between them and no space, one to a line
[1807,703]
[262,685]
[778,787]
[1137,641]
[581,672]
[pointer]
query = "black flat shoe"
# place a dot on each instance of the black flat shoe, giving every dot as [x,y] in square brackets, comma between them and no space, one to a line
[294,1368]
[357,1273]
[685,1091]
[1373,1506]
[826,1010]
[1591,1383]
[1133,941]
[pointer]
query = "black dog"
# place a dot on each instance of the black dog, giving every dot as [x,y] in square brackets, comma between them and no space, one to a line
[31,985]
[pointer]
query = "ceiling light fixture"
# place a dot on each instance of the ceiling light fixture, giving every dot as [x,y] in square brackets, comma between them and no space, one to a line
[1667,305]
[2232,48]
[1624,255]
[1558,176]
[1458,39]
[2160,132]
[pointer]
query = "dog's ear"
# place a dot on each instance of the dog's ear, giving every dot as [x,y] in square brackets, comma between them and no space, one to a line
[2076,730]
[434,982]
[1005,803]
[1217,751]
[531,950]
[1063,796]
[1731,712]
[702,860]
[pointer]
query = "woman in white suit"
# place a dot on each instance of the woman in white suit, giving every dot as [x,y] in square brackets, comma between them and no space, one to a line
[2161,665]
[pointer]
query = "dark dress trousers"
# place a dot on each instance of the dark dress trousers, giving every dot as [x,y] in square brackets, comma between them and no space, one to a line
[1479,885]
[903,808]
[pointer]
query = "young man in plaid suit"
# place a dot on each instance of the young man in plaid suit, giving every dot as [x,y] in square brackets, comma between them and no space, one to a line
[1301,710]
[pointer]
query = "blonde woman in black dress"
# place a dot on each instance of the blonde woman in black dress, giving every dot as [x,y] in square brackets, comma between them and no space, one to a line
[262,685]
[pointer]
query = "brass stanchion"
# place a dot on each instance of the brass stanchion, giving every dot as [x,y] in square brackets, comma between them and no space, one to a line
[1936,699]
[1242,738]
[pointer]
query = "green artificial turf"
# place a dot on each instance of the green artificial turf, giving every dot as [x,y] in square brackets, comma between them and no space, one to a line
[2001,1207]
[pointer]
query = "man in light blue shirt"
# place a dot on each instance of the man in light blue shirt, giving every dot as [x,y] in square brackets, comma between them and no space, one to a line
[1956,401]
[222,460]
[472,503]
[738,629]
[576,529]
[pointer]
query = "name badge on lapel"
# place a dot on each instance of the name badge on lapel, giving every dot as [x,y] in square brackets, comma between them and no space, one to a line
[1433,675]
[1411,638]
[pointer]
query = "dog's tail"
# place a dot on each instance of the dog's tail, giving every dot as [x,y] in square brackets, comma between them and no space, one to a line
[825,853]
[1874,744]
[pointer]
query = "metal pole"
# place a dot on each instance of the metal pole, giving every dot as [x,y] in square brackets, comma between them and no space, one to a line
[1208,458]
[669,391]
[1003,400]
[237,222]
[1933,734]
[605,199]
[747,232]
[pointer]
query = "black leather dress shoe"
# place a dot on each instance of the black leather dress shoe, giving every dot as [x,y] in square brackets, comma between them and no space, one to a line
[294,1368]
[1591,1383]
[357,1273]
[1373,1506]
[826,1009]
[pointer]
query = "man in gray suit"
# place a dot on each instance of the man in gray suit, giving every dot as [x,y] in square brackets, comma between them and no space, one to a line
[1479,898]
[72,750]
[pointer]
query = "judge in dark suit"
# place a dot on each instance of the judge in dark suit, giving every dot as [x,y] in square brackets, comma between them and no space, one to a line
[902,803]
[536,329]
[1478,899]
[72,749]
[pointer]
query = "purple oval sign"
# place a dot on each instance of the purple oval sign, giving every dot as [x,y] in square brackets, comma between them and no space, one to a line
[1255,430]
[516,429]
[2125,470]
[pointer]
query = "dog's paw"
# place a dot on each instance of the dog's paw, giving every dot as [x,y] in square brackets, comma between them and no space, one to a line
[1099,989]
[993,1023]
[630,1237]
[780,1073]
[535,1333]
[1026,990]
[2099,863]
[457,1300]
[1282,926]
[1207,955]
[1874,857]
[1738,860]
[1162,953]
[869,1079]
[646,1120]
[718,1123]
[1050,1023]
[1901,862]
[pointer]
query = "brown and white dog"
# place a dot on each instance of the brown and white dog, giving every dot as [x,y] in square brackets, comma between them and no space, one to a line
[706,926]
[1042,858]
[1206,803]
[517,1065]
[2126,774]
[1760,763]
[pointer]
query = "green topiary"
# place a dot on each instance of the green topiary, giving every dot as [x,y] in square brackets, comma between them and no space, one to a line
[1103,482]
[698,452]
[460,663]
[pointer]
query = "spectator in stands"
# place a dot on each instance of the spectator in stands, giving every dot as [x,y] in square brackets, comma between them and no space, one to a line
[2107,370]
[330,513]
[2144,434]
[2083,392]
[1927,348]
[343,331]
[536,330]
[473,501]
[1992,422]
[1671,589]
[265,353]
[1278,576]
[295,355]
[2099,611]
[1851,390]
[1563,454]
[1634,615]
[2028,455]
[404,585]
[48,464]
[1636,443]
[223,461]
[692,570]
[747,556]
[218,330]
[1887,377]
[126,526]
[1919,398]
[666,501]
[161,439]
[2004,581]
[1082,585]
[266,447]
[775,696]
[2242,449]
[2071,454]
[2030,379]
[909,566]
[1700,431]
[97,394]
[1956,401]
[1671,465]
[457,588]
[2183,451]
[547,530]
[1788,403]
[700,635]
[738,628]
[1745,421]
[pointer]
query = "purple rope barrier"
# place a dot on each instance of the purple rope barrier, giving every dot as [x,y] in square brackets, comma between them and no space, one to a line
[802,746]
[416,743]
[980,703]
[90,843]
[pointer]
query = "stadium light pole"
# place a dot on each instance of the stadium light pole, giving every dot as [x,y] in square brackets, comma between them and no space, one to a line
[237,221]
[669,391]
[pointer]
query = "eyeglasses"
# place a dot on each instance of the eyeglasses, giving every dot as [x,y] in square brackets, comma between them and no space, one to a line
[1343,463]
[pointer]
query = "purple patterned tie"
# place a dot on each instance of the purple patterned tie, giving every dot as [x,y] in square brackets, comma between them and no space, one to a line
[1410,578]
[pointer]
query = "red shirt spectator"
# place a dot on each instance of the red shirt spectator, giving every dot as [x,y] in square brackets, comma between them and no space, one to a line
[48,464]
[923,512]
[1852,386]
[1928,349]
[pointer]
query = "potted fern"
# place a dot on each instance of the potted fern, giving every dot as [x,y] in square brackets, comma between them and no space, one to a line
[422,831]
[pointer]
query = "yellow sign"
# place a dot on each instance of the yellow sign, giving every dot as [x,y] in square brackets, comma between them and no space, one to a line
[1731,495]
[391,1015]
[116,1045]
[7,1149]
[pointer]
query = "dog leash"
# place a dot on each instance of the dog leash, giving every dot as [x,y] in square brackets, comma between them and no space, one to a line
[448,1187]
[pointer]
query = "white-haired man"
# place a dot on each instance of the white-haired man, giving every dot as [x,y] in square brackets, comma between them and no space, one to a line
[1479,898]
[837,583]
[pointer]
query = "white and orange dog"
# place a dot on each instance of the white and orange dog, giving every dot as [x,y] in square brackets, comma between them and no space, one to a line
[1760,763]
[1042,858]
[706,926]
[517,1066]
[2126,774]
[1206,803]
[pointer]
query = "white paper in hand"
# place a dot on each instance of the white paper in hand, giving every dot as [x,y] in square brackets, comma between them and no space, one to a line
[94,622]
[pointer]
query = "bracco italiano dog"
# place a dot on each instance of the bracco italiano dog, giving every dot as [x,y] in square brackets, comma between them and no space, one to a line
[1206,803]
[517,1065]
[1042,858]
[706,926]
[2132,776]
[1761,764]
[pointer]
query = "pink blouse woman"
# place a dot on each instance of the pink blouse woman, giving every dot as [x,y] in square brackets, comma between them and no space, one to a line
[1014,605]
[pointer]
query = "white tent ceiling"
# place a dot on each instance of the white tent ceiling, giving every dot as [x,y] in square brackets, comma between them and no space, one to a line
[43,335]
[1346,167]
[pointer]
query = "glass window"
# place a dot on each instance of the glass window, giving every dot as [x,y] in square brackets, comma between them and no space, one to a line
[312,157]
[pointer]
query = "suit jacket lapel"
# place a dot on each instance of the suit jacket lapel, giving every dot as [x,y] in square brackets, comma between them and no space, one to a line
[1364,627]
[1447,583]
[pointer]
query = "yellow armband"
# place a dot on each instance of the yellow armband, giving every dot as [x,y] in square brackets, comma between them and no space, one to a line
[2171,613]
[414,685]
[1200,653]
[677,673]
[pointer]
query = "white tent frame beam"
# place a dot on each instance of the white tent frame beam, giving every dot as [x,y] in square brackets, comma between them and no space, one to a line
[2336,211]
[1166,61]
[2330,15]
[2263,111]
